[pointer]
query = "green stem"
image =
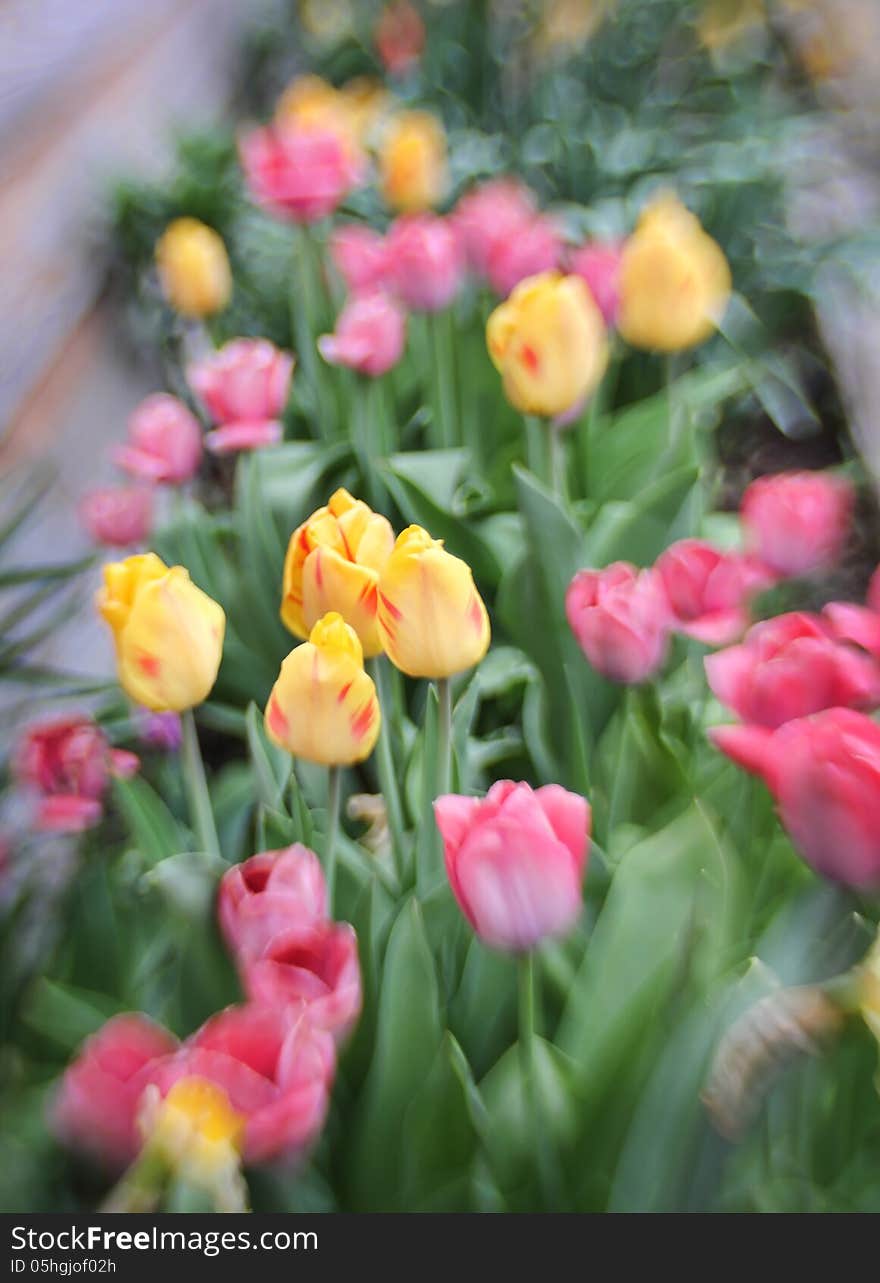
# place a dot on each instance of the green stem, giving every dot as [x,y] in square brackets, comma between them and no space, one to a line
[385,764]
[334,795]
[444,379]
[196,785]
[444,736]
[536,447]
[557,460]
[526,992]
[303,316]
[547,1174]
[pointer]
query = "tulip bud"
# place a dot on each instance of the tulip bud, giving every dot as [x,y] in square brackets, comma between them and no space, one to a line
[164,442]
[399,37]
[323,706]
[311,103]
[516,860]
[536,247]
[333,562]
[549,343]
[272,893]
[244,386]
[370,335]
[490,214]
[797,522]
[674,280]
[709,590]
[360,256]
[196,1133]
[300,174]
[68,763]
[425,261]
[318,970]
[193,268]
[118,516]
[412,162]
[167,632]
[620,618]
[432,621]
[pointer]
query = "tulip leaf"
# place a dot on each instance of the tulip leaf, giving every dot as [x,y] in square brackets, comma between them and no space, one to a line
[441,1136]
[152,826]
[64,1015]
[272,766]
[187,882]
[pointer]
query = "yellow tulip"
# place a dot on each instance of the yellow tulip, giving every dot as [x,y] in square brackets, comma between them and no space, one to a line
[333,562]
[548,340]
[168,633]
[432,620]
[674,280]
[412,162]
[193,1125]
[323,706]
[193,268]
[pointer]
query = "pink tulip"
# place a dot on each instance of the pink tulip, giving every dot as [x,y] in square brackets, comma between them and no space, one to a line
[68,764]
[491,213]
[516,860]
[235,437]
[245,381]
[620,618]
[274,893]
[320,970]
[118,516]
[297,173]
[790,667]
[276,1068]
[858,624]
[709,590]
[96,1106]
[824,772]
[425,259]
[598,263]
[164,441]
[797,522]
[360,257]
[370,335]
[534,247]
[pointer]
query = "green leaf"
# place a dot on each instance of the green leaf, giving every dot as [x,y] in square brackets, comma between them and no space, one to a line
[272,766]
[153,828]
[65,1015]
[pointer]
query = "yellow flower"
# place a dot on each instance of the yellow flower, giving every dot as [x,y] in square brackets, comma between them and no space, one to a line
[412,161]
[432,620]
[196,1132]
[168,633]
[674,280]
[549,342]
[193,268]
[323,706]
[333,562]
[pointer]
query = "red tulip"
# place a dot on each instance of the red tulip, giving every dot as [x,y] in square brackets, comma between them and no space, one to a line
[96,1106]
[797,522]
[360,256]
[299,173]
[621,620]
[824,772]
[370,335]
[516,860]
[709,590]
[789,667]
[164,441]
[534,248]
[489,214]
[274,893]
[400,37]
[68,763]
[319,969]
[426,263]
[118,516]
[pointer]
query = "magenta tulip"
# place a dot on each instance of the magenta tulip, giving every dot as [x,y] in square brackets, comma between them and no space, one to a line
[797,522]
[319,970]
[709,590]
[620,617]
[273,893]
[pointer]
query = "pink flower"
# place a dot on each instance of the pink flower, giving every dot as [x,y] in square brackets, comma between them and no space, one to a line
[360,257]
[246,381]
[534,247]
[516,860]
[319,969]
[824,772]
[164,441]
[118,516]
[274,893]
[789,667]
[425,259]
[96,1106]
[598,263]
[797,522]
[68,763]
[399,37]
[370,335]
[620,618]
[276,1069]
[297,173]
[858,624]
[491,213]
[709,590]
[161,730]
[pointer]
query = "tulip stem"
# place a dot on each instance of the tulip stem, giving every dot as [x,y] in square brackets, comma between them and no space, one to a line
[385,762]
[334,796]
[303,315]
[444,736]
[443,376]
[547,1175]
[196,785]
[557,460]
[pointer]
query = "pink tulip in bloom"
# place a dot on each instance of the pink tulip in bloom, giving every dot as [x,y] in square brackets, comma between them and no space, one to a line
[164,442]
[399,37]
[516,860]
[824,772]
[797,522]
[299,173]
[858,624]
[319,970]
[244,386]
[790,667]
[370,335]
[489,214]
[118,516]
[620,617]
[274,893]
[709,590]
[276,1068]
[426,263]
[68,764]
[533,248]
[360,256]
[598,263]
[95,1109]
